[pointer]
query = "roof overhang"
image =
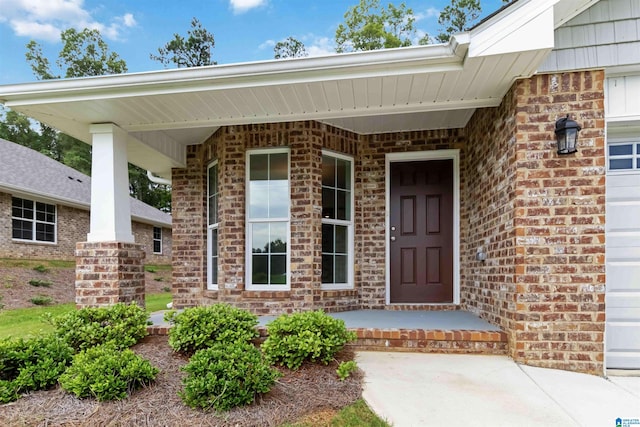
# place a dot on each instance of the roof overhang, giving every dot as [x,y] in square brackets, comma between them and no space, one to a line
[414,88]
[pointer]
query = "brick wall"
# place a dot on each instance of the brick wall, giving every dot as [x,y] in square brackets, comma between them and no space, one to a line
[559,225]
[487,215]
[72,227]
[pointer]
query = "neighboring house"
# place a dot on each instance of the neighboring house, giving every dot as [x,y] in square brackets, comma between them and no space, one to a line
[414,178]
[44,210]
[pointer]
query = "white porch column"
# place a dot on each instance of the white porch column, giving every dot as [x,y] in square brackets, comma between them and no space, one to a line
[110,207]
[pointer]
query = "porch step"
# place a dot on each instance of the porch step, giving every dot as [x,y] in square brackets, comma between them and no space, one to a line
[431,341]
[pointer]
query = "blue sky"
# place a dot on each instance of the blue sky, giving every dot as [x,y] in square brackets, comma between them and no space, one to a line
[244,30]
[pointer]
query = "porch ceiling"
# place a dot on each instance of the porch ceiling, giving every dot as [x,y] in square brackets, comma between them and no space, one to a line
[417,88]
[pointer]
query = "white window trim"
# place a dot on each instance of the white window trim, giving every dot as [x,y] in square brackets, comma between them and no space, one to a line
[210,227]
[350,228]
[154,240]
[34,221]
[248,222]
[453,154]
[635,157]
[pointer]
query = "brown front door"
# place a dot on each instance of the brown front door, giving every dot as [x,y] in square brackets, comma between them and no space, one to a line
[421,232]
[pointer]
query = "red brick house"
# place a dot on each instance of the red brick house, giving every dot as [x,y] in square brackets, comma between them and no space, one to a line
[417,178]
[44,210]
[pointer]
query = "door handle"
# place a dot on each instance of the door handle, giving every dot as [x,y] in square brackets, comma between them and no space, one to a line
[393,238]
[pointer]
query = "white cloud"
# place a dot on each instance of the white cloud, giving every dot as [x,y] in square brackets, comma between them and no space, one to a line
[46,19]
[267,44]
[321,46]
[427,13]
[241,6]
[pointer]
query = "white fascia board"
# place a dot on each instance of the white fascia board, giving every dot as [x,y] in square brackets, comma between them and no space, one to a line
[44,197]
[523,26]
[430,58]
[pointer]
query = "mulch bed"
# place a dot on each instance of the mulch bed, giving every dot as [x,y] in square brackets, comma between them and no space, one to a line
[314,391]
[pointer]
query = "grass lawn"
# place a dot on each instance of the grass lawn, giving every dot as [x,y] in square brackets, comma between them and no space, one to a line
[356,415]
[28,321]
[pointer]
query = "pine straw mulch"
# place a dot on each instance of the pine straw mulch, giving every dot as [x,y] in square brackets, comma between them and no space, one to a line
[313,393]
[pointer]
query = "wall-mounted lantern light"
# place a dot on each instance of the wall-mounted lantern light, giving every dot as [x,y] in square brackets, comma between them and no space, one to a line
[567,135]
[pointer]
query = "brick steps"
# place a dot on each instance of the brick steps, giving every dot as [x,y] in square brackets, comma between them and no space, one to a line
[413,340]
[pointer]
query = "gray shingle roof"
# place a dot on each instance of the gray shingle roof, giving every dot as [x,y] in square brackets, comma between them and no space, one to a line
[28,172]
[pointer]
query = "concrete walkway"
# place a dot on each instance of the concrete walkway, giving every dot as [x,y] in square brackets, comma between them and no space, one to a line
[412,389]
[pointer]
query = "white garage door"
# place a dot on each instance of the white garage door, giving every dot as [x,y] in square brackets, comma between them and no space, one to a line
[623,255]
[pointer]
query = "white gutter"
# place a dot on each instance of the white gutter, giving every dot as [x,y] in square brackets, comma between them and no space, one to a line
[157,180]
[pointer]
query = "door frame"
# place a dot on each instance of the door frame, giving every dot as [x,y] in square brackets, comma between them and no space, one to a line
[417,156]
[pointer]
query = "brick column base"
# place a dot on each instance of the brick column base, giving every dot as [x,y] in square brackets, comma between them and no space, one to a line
[108,273]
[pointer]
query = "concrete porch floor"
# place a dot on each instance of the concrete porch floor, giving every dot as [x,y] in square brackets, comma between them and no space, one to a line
[451,320]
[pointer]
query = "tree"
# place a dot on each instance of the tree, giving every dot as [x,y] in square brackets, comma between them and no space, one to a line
[195,51]
[368,26]
[84,53]
[289,48]
[457,17]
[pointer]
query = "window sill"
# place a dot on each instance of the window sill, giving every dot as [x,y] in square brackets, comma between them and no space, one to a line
[334,293]
[34,242]
[272,295]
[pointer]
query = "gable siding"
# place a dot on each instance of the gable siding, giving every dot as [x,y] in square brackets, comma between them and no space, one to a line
[605,35]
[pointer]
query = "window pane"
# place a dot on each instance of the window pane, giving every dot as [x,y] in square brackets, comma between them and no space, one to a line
[278,269]
[260,269]
[259,199]
[328,203]
[620,164]
[157,246]
[340,269]
[213,208]
[328,171]
[278,237]
[213,180]
[343,174]
[279,167]
[45,212]
[157,233]
[214,242]
[45,232]
[327,238]
[214,270]
[341,239]
[259,238]
[259,164]
[620,150]
[327,268]
[278,199]
[342,208]
[22,229]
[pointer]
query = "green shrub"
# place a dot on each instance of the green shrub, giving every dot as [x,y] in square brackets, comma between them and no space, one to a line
[32,364]
[200,327]
[41,300]
[107,373]
[225,376]
[312,335]
[345,369]
[151,269]
[40,283]
[121,324]
[41,268]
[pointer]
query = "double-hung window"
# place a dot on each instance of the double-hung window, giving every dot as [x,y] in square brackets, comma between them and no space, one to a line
[157,240]
[268,219]
[337,221]
[33,221]
[212,229]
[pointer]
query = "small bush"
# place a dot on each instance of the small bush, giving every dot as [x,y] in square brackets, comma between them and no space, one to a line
[345,369]
[121,324]
[41,300]
[41,268]
[40,283]
[200,327]
[225,376]
[33,364]
[106,373]
[312,335]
